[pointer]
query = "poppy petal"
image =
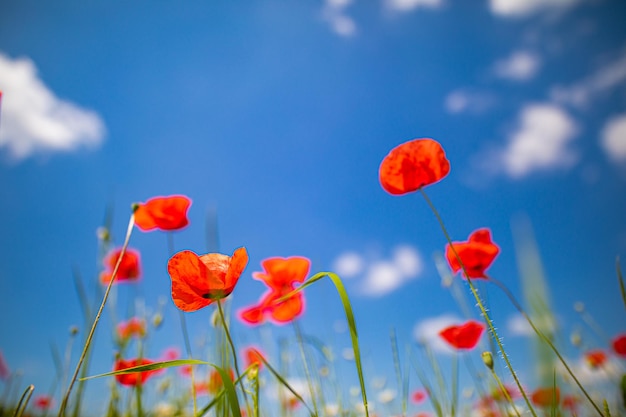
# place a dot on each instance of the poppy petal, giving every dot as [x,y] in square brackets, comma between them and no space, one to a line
[190,278]
[465,336]
[412,165]
[164,213]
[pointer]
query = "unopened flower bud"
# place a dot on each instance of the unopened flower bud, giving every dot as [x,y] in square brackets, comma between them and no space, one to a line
[488,359]
[157,320]
[576,339]
[73,330]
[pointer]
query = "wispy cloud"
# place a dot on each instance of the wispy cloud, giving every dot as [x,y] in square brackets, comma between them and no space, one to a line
[35,120]
[380,276]
[522,8]
[519,66]
[427,332]
[467,100]
[408,5]
[541,141]
[334,12]
[602,81]
[613,138]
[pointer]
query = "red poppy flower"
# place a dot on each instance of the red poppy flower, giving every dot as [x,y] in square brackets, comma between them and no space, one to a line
[135,378]
[595,358]
[280,275]
[4,368]
[198,281]
[476,254]
[412,165]
[163,213]
[214,384]
[465,336]
[619,344]
[43,402]
[129,269]
[419,396]
[546,397]
[135,327]
[570,402]
[252,356]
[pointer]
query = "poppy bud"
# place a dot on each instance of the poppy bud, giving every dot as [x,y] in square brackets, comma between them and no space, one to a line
[488,359]
[73,330]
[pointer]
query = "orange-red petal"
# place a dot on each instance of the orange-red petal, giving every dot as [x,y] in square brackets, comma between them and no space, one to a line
[477,254]
[135,378]
[283,272]
[197,281]
[619,344]
[412,165]
[164,213]
[465,336]
[546,397]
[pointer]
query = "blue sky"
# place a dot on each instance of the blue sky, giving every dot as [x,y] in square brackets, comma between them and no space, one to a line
[276,115]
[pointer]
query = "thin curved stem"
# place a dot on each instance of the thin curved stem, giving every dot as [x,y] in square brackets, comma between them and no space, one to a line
[66,397]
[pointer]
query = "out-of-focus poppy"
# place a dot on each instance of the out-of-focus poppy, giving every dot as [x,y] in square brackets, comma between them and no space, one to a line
[619,344]
[412,165]
[163,213]
[43,402]
[135,378]
[134,327]
[129,269]
[476,254]
[464,336]
[4,368]
[280,275]
[214,384]
[419,396]
[546,397]
[570,402]
[253,355]
[595,358]
[198,281]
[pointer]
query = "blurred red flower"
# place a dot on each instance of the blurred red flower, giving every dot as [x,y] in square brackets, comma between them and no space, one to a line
[253,355]
[43,402]
[545,397]
[419,396]
[619,344]
[280,275]
[129,269]
[198,281]
[476,254]
[163,213]
[595,358]
[215,383]
[135,378]
[4,368]
[464,336]
[134,327]
[412,165]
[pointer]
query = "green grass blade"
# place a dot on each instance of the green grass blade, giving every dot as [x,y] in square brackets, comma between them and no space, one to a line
[151,367]
[285,383]
[21,405]
[229,389]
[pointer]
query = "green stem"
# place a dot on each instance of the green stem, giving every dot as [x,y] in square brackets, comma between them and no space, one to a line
[138,400]
[480,304]
[21,405]
[504,391]
[66,397]
[232,347]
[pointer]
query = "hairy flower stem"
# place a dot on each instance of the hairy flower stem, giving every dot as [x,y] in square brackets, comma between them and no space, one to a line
[546,339]
[480,304]
[66,397]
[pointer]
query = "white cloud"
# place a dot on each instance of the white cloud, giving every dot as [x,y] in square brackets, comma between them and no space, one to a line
[541,141]
[468,101]
[427,332]
[382,276]
[407,5]
[517,325]
[521,8]
[520,66]
[334,13]
[33,119]
[349,265]
[605,79]
[614,138]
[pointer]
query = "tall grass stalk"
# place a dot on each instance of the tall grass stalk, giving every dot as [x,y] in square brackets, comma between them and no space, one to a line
[480,304]
[66,397]
[305,364]
[23,402]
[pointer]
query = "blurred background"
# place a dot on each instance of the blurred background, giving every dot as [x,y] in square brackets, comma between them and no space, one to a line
[273,117]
